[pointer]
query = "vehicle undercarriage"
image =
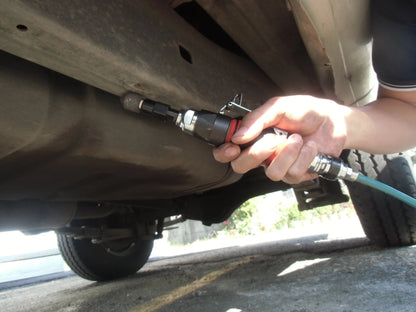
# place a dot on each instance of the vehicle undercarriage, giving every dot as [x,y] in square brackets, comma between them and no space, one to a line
[72,160]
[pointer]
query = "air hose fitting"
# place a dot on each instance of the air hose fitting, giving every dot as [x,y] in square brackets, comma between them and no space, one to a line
[332,168]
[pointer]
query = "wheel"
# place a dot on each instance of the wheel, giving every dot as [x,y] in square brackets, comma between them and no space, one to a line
[385,220]
[106,261]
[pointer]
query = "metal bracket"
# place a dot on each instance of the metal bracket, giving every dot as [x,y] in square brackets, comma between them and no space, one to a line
[233,105]
[318,192]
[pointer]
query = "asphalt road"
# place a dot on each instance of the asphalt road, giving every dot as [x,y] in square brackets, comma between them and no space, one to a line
[298,275]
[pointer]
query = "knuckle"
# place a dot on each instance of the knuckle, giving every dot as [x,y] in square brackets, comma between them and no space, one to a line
[220,158]
[310,147]
[217,155]
[292,150]
[256,157]
[293,146]
[274,174]
[295,173]
[289,180]
[237,168]
[225,153]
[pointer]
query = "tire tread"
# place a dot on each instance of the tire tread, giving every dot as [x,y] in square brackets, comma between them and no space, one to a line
[385,220]
[92,262]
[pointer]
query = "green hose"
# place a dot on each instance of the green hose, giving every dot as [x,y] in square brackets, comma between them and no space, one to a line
[387,189]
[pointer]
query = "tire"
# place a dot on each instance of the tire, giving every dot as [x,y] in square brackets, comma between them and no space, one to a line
[385,220]
[98,262]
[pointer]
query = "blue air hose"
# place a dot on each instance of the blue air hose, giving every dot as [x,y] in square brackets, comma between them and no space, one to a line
[386,189]
[333,168]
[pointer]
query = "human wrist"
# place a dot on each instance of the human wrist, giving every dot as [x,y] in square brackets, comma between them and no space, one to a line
[355,122]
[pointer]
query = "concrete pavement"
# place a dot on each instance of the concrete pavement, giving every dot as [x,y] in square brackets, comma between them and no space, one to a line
[300,274]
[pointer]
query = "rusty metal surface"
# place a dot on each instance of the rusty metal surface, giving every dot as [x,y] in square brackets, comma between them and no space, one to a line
[141,46]
[267,32]
[62,140]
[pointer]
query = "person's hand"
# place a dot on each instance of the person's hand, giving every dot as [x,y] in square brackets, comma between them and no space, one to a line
[315,125]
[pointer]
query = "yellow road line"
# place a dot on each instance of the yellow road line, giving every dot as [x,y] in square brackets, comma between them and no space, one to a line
[159,302]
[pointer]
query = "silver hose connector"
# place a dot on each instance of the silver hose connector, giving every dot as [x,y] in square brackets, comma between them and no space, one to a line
[332,168]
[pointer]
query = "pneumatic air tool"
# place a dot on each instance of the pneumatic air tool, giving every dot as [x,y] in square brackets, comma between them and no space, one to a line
[217,129]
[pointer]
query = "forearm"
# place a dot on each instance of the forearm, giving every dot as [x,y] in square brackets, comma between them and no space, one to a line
[385,126]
